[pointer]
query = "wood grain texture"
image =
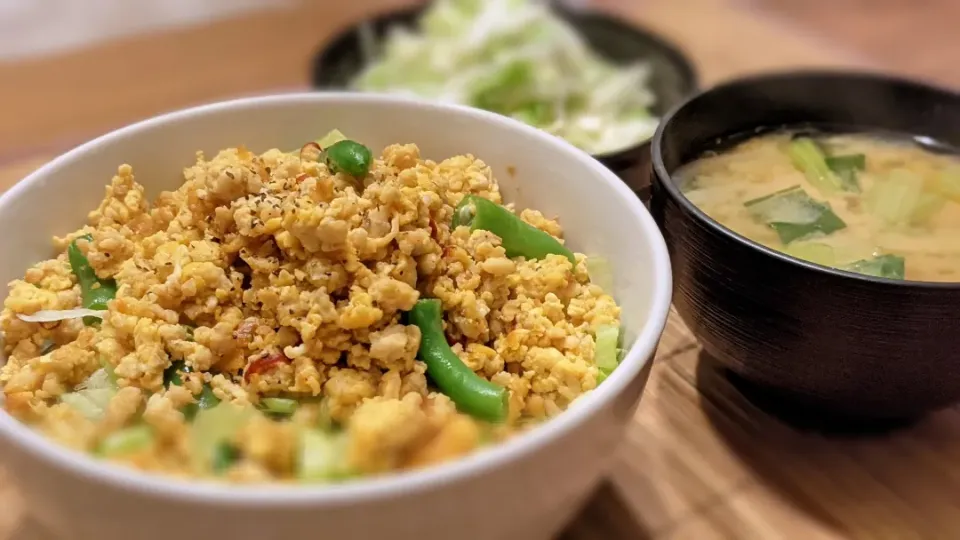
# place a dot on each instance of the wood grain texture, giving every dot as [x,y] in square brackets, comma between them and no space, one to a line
[909,38]
[700,462]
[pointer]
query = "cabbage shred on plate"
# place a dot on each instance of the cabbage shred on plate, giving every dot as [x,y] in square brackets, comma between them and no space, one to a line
[517,58]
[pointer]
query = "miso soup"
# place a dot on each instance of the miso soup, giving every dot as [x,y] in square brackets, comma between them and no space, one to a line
[866,203]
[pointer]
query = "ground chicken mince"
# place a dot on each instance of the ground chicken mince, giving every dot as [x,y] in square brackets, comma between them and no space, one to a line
[256,325]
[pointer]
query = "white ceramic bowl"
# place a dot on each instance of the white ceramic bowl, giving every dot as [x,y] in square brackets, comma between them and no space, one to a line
[525,489]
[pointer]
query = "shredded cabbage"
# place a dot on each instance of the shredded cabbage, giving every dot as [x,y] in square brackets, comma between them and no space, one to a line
[214,426]
[321,456]
[517,58]
[601,274]
[52,315]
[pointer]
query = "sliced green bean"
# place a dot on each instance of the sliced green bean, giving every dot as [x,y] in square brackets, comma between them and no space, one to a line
[94,292]
[279,406]
[518,238]
[471,393]
[349,157]
[206,400]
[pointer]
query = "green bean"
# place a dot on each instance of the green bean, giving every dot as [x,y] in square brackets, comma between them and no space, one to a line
[94,292]
[279,406]
[207,398]
[171,375]
[349,157]
[471,393]
[518,238]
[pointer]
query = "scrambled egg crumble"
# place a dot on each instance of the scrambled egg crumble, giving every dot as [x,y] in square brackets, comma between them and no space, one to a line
[269,276]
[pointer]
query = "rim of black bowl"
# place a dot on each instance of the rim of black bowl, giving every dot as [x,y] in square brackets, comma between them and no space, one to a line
[660,170]
[663,47]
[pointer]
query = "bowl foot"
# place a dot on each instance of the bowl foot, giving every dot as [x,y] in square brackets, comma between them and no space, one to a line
[803,415]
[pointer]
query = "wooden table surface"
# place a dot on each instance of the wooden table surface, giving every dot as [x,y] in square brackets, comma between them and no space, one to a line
[700,462]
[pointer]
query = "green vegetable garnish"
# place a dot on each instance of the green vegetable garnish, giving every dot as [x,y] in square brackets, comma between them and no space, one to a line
[928,205]
[600,272]
[857,162]
[794,215]
[349,157]
[518,238]
[321,456]
[171,375]
[895,199]
[206,400]
[814,252]
[225,454]
[607,341]
[331,138]
[95,292]
[608,353]
[885,266]
[279,406]
[846,167]
[807,156]
[126,441]
[471,393]
[214,427]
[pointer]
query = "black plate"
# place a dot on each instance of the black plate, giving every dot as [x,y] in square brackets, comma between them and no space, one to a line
[830,342]
[672,79]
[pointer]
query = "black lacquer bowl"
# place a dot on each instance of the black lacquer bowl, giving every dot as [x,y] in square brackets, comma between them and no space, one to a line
[672,80]
[825,340]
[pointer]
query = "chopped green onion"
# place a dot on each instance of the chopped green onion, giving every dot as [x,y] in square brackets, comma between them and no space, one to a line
[282,406]
[793,215]
[810,160]
[857,162]
[928,206]
[846,167]
[814,252]
[894,199]
[885,266]
[126,441]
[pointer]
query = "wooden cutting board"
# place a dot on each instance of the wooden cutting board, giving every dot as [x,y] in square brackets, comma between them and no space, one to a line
[699,462]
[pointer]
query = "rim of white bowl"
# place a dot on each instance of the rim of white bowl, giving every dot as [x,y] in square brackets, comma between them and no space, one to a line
[390,485]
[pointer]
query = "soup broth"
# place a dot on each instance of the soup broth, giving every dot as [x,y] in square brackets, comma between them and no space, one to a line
[860,202]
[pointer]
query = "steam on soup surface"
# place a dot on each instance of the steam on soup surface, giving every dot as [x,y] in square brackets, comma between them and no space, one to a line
[868,204]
